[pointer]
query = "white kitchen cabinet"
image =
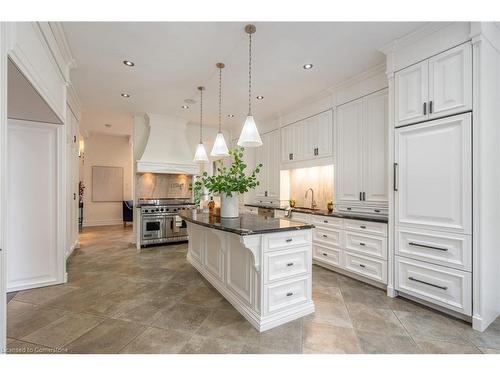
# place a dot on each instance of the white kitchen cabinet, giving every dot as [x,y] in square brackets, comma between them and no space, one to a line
[361,168]
[269,156]
[436,87]
[308,139]
[434,175]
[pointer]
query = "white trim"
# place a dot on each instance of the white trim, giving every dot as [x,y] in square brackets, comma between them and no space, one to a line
[98,223]
[159,167]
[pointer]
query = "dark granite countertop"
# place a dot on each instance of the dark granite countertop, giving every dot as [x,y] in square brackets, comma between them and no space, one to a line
[244,225]
[342,214]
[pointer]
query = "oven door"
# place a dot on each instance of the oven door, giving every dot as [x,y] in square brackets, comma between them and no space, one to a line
[176,226]
[153,227]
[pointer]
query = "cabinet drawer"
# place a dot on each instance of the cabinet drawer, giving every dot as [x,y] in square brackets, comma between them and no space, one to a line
[251,210]
[369,227]
[297,216]
[367,245]
[288,239]
[443,286]
[283,264]
[375,269]
[327,255]
[328,237]
[446,249]
[347,207]
[282,295]
[327,222]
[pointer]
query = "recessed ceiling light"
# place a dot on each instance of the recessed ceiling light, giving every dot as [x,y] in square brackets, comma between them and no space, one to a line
[230,116]
[185,107]
[308,66]
[125,95]
[260,97]
[128,63]
[108,125]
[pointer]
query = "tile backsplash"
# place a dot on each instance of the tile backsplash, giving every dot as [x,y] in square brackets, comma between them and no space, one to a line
[159,185]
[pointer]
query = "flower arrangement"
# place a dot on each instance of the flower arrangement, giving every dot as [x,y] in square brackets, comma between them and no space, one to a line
[81,190]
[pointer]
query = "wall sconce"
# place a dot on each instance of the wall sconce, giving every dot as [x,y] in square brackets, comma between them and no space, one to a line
[81,149]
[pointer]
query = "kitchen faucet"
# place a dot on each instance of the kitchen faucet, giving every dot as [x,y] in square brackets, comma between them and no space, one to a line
[313,203]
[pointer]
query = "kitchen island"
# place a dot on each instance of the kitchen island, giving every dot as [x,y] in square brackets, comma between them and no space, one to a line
[263,267]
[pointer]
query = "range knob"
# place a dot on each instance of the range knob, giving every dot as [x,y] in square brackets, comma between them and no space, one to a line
[161,209]
[146,210]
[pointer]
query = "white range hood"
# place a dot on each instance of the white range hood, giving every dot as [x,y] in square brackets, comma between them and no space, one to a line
[165,143]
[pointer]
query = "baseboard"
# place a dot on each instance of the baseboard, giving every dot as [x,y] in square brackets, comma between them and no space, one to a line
[74,246]
[98,223]
[480,324]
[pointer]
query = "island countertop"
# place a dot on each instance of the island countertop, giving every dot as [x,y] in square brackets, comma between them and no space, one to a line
[245,224]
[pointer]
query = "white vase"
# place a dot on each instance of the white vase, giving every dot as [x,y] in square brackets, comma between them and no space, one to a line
[229,206]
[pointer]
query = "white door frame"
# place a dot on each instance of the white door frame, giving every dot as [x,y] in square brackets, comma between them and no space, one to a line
[3,142]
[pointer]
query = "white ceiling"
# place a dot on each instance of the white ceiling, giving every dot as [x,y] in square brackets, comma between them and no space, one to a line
[172,59]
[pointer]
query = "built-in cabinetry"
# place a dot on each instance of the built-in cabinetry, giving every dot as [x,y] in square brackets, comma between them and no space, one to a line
[355,247]
[361,153]
[73,176]
[269,177]
[433,211]
[308,139]
[436,87]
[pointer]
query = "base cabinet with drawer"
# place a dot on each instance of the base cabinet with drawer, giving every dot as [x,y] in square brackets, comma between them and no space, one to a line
[266,277]
[356,247]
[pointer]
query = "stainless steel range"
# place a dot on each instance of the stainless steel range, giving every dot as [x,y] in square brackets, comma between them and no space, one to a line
[160,220]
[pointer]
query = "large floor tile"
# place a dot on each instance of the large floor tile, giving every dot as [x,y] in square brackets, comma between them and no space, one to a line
[157,340]
[110,336]
[330,313]
[21,347]
[209,345]
[385,342]
[43,295]
[376,320]
[370,297]
[446,347]
[22,325]
[182,316]
[489,350]
[322,338]
[203,296]
[15,308]
[64,330]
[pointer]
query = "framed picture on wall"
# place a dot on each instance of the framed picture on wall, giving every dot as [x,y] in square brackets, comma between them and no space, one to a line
[107,184]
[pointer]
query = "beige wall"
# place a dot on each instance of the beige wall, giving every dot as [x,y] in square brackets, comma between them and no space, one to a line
[112,151]
[295,182]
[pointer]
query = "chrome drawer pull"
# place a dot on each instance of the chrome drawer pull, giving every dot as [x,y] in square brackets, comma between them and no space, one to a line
[362,243]
[289,294]
[289,240]
[362,226]
[325,254]
[325,236]
[325,221]
[362,266]
[428,246]
[426,283]
[289,264]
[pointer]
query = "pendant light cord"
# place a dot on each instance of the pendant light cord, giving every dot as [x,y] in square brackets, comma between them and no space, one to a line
[250,75]
[220,100]
[201,115]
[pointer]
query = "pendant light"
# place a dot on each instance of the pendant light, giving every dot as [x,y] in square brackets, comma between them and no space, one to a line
[220,147]
[200,155]
[249,136]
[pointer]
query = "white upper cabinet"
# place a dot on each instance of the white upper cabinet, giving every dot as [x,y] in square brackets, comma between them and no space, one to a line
[434,175]
[349,168]
[308,139]
[450,82]
[436,87]
[375,143]
[269,156]
[411,93]
[361,149]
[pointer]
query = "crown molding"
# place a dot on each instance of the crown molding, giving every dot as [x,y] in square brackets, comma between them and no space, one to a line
[62,43]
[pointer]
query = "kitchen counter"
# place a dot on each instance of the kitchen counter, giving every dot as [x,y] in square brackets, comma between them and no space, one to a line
[342,214]
[263,267]
[245,224]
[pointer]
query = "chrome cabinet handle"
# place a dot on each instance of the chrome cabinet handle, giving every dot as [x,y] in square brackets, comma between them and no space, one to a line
[428,246]
[289,240]
[425,108]
[290,156]
[325,221]
[360,196]
[395,176]
[325,254]
[362,243]
[362,266]
[289,264]
[325,236]
[362,226]
[289,294]
[426,283]
[364,196]
[430,107]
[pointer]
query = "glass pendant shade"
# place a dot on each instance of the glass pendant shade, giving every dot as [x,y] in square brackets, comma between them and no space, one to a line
[249,136]
[220,147]
[200,155]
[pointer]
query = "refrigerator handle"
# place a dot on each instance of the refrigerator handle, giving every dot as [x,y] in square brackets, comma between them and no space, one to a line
[395,176]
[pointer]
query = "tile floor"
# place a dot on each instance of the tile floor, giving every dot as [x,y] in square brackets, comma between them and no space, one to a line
[120,301]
